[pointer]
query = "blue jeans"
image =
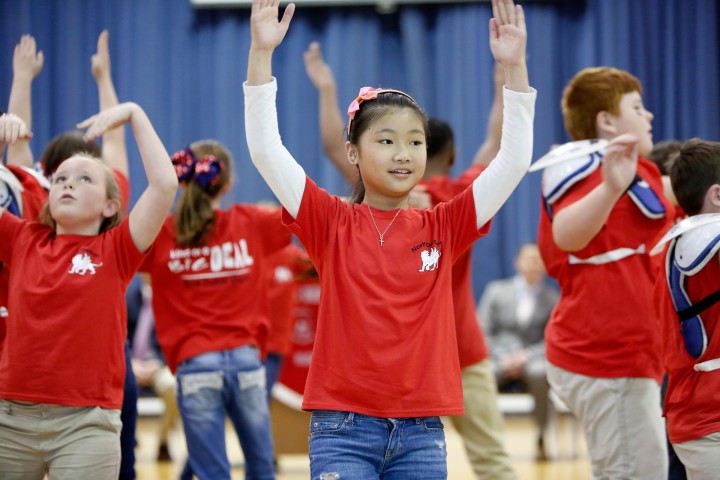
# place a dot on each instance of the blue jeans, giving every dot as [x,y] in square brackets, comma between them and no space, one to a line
[230,382]
[346,445]
[273,363]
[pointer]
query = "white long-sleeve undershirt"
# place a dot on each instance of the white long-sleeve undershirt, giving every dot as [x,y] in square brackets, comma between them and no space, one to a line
[286,177]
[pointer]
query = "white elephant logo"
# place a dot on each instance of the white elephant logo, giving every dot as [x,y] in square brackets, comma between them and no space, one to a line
[429,259]
[82,264]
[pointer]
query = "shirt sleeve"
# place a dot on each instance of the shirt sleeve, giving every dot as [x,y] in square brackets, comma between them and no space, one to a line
[284,176]
[128,256]
[276,235]
[498,181]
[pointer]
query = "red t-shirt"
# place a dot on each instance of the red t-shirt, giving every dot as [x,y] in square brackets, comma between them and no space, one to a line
[34,197]
[603,325]
[692,398]
[297,363]
[472,347]
[283,268]
[386,343]
[65,339]
[214,297]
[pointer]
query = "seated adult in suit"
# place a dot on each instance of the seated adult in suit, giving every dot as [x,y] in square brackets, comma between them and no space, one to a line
[514,312]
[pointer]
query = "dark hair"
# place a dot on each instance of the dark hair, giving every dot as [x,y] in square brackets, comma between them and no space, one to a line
[661,153]
[369,112]
[65,146]
[441,137]
[194,215]
[591,91]
[693,170]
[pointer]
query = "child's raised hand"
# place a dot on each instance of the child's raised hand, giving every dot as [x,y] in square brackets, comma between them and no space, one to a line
[100,62]
[266,32]
[508,34]
[27,61]
[317,70]
[620,162]
[12,129]
[107,120]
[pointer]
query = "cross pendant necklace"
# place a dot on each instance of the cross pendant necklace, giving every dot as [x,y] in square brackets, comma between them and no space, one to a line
[381,235]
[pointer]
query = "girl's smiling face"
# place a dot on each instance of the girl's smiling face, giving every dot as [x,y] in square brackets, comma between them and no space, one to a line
[391,155]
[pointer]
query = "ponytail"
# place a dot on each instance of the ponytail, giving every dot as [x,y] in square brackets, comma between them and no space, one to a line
[204,170]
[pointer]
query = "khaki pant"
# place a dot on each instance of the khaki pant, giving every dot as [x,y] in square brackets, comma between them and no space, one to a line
[165,387]
[482,426]
[622,420]
[701,457]
[63,442]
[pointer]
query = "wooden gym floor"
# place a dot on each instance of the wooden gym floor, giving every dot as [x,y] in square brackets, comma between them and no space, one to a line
[564,444]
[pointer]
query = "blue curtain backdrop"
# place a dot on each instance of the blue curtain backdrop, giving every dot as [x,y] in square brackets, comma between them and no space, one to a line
[186,68]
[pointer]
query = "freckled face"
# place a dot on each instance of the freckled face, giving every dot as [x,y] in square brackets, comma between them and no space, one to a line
[392,155]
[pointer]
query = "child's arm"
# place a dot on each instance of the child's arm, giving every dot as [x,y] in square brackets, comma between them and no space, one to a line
[576,225]
[508,37]
[490,147]
[331,120]
[279,169]
[266,34]
[114,151]
[150,211]
[27,64]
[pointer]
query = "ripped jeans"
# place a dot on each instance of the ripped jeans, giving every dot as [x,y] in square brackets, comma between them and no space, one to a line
[214,384]
[349,446]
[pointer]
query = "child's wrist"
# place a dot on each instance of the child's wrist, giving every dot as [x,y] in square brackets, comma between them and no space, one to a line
[23,77]
[259,50]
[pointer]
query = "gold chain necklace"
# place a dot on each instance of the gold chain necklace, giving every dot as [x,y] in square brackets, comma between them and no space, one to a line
[381,235]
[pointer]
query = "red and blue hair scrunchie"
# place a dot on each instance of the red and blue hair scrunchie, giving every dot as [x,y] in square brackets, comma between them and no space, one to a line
[205,171]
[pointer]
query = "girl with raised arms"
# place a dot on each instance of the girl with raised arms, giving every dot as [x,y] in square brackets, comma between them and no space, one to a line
[62,368]
[385,364]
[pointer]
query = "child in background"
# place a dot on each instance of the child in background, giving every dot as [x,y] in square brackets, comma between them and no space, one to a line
[660,155]
[602,340]
[25,190]
[210,305]
[296,362]
[385,364]
[67,283]
[21,194]
[514,312]
[686,303]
